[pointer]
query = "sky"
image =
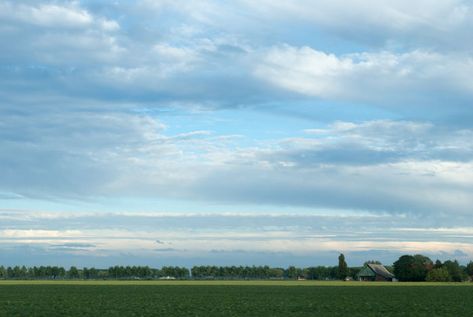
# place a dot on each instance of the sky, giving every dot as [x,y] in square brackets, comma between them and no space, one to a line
[235,132]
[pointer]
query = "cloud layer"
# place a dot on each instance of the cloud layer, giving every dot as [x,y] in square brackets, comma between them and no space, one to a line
[361,107]
[228,239]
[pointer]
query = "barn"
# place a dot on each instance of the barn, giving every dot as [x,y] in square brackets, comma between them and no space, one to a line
[375,272]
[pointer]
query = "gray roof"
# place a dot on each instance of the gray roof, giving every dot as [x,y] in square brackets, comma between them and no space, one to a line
[366,272]
[380,270]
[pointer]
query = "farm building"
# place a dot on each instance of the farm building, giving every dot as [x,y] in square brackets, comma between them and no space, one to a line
[375,272]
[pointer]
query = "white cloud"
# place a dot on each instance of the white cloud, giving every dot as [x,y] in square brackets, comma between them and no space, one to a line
[305,70]
[57,36]
[383,78]
[75,83]
[193,57]
[442,24]
[379,166]
[54,16]
[109,25]
[203,235]
[174,53]
[32,233]
[48,15]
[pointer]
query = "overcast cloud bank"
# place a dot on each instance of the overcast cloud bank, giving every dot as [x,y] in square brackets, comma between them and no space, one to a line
[359,107]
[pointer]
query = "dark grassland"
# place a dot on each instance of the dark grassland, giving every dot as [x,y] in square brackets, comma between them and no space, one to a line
[242,299]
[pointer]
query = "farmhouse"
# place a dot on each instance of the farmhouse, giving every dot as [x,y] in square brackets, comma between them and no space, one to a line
[375,272]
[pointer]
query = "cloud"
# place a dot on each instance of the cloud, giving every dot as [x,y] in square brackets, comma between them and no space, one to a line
[47,15]
[32,233]
[68,150]
[190,60]
[244,238]
[380,166]
[55,34]
[140,101]
[441,25]
[67,15]
[169,250]
[380,141]
[71,248]
[6,195]
[75,245]
[402,24]
[398,81]
[400,167]
[406,187]
[93,60]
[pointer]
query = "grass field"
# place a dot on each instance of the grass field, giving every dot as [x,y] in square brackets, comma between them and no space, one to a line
[233,298]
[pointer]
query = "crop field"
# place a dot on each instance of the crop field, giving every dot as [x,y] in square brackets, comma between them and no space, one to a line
[207,299]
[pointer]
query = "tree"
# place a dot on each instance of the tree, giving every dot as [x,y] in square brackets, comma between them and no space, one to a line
[93,273]
[342,267]
[318,273]
[291,272]
[454,270]
[3,272]
[412,268]
[276,273]
[439,274]
[73,272]
[55,272]
[469,269]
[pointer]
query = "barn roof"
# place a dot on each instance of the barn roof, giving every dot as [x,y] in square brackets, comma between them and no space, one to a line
[380,270]
[366,272]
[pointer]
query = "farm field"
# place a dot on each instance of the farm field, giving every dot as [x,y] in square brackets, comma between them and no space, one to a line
[233,298]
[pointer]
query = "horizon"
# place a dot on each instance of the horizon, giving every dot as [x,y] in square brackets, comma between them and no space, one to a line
[208,132]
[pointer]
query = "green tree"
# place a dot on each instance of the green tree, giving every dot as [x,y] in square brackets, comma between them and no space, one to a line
[56,272]
[291,272]
[439,274]
[412,268]
[73,272]
[276,273]
[454,270]
[469,269]
[10,272]
[342,267]
[93,273]
[18,272]
[318,273]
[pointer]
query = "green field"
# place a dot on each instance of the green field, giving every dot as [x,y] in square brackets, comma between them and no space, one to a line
[233,298]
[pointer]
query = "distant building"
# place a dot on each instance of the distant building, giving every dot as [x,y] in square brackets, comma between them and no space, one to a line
[375,272]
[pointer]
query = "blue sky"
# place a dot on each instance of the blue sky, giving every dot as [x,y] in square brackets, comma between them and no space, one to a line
[235,132]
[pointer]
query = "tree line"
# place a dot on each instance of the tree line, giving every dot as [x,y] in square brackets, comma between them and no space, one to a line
[419,268]
[406,268]
[114,272]
[196,272]
[266,272]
